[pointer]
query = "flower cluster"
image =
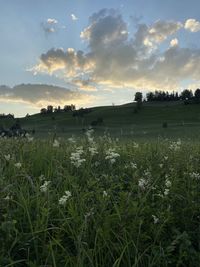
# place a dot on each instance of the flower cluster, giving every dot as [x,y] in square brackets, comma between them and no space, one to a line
[93,150]
[89,134]
[195,175]
[62,201]
[45,186]
[175,145]
[29,137]
[143,183]
[72,140]
[135,145]
[131,165]
[155,219]
[111,155]
[56,143]
[7,157]
[168,184]
[18,165]
[76,159]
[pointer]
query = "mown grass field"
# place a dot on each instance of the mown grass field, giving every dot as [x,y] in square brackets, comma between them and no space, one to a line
[101,201]
[182,121]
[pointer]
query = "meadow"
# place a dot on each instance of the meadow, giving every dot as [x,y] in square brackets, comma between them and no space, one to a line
[99,201]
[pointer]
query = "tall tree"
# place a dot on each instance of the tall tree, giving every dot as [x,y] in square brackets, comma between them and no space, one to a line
[197,94]
[138,97]
[186,94]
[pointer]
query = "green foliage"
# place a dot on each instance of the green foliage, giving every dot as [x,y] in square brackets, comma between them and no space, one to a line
[99,202]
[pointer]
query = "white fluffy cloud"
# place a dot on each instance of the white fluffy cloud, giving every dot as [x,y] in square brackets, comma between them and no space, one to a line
[160,31]
[174,42]
[40,95]
[74,17]
[116,58]
[50,25]
[192,25]
[52,21]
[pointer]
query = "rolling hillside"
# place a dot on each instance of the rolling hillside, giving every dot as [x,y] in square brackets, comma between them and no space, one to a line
[178,120]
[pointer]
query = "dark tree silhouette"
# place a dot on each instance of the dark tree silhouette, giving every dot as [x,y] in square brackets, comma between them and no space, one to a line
[197,94]
[186,94]
[138,97]
[49,109]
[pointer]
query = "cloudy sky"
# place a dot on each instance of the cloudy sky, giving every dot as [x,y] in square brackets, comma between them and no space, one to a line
[91,52]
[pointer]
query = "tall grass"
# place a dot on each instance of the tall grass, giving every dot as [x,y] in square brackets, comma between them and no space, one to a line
[140,209]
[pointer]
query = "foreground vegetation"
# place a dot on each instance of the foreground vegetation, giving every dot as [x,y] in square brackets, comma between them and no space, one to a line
[99,202]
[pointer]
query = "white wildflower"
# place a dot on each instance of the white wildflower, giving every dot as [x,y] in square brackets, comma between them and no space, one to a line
[72,140]
[175,145]
[89,134]
[97,163]
[133,165]
[195,175]
[93,150]
[56,143]
[168,183]
[62,201]
[147,173]
[135,145]
[155,219]
[142,183]
[76,159]
[18,165]
[8,198]
[111,155]
[30,139]
[44,187]
[42,177]
[166,192]
[105,194]
[89,214]
[7,157]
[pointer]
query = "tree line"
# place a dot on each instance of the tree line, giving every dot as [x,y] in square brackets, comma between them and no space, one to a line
[50,109]
[186,95]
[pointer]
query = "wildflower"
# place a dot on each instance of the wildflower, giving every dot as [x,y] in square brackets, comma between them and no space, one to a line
[56,143]
[142,183]
[155,219]
[30,139]
[175,145]
[76,159]
[97,163]
[105,194]
[89,214]
[93,150]
[133,165]
[44,187]
[89,133]
[161,165]
[165,158]
[62,201]
[166,192]
[7,157]
[195,175]
[111,155]
[42,177]
[147,173]
[168,183]
[18,165]
[72,140]
[135,145]
[8,198]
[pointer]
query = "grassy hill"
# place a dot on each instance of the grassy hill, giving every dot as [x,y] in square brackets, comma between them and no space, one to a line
[182,121]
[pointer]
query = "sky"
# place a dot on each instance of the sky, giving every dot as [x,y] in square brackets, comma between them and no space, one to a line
[91,53]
